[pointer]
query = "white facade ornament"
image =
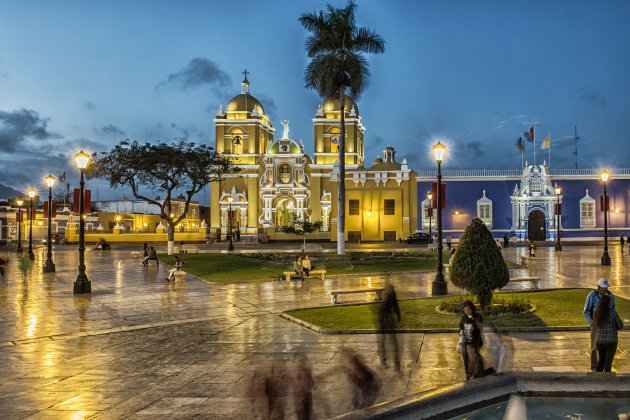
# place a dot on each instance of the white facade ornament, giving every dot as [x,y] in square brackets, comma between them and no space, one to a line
[320,112]
[353,112]
[255,112]
[220,110]
[203,224]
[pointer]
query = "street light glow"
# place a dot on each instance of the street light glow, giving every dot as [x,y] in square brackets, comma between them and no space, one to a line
[19,203]
[439,150]
[558,190]
[82,159]
[50,181]
[429,196]
[31,193]
[605,175]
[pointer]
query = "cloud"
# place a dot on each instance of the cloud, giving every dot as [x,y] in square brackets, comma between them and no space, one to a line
[20,126]
[112,130]
[199,72]
[268,104]
[592,97]
[89,106]
[473,149]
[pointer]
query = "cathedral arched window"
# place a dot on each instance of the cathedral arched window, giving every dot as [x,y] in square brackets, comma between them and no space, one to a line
[484,210]
[284,173]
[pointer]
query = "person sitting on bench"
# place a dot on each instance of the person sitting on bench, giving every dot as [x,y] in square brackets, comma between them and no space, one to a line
[306,265]
[298,268]
[178,266]
[152,255]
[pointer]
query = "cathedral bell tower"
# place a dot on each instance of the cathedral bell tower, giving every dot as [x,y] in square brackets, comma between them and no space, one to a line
[243,130]
[327,132]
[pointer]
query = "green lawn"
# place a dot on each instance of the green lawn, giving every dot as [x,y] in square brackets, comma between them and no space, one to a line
[235,268]
[554,308]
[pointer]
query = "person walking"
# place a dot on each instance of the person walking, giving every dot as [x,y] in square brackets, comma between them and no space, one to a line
[4,261]
[593,300]
[607,323]
[449,241]
[506,241]
[621,241]
[302,384]
[470,341]
[388,317]
[532,249]
[25,264]
[365,384]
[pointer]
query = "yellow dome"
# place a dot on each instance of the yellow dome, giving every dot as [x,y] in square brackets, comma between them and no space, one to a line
[245,103]
[331,104]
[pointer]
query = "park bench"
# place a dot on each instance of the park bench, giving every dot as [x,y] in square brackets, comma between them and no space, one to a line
[188,249]
[180,275]
[533,280]
[377,290]
[314,273]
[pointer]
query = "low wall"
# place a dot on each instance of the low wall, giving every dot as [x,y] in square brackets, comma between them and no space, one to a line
[91,238]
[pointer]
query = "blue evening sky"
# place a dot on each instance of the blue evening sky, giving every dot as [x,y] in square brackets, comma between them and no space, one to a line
[77,74]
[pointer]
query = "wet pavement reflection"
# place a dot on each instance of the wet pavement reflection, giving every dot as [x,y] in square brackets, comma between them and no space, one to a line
[139,346]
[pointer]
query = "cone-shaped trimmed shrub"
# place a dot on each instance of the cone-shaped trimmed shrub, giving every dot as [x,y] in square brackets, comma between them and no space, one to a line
[478,265]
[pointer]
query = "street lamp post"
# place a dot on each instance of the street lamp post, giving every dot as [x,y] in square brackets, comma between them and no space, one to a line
[19,227]
[439,286]
[430,211]
[605,256]
[49,265]
[31,193]
[82,284]
[558,191]
[231,246]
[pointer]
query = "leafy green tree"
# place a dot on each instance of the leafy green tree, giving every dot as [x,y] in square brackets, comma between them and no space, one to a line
[336,47]
[163,169]
[302,227]
[478,265]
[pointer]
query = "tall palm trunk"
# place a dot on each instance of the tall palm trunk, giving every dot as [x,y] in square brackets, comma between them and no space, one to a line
[341,205]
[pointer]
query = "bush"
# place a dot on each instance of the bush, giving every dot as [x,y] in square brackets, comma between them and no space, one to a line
[478,265]
[499,307]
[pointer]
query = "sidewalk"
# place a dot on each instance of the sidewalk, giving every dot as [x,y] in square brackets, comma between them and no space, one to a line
[142,347]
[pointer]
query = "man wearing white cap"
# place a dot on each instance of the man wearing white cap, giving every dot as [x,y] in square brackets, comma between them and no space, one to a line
[592,300]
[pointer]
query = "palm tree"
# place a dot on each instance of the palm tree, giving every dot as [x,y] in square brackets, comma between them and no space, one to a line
[336,47]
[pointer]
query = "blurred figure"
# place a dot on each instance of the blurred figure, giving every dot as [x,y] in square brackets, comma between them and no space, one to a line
[516,409]
[297,267]
[4,261]
[365,383]
[268,391]
[607,324]
[25,264]
[532,249]
[302,382]
[495,345]
[306,265]
[388,317]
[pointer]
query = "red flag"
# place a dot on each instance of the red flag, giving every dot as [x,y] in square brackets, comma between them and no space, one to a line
[601,203]
[75,200]
[531,133]
[46,209]
[87,195]
[443,197]
[30,216]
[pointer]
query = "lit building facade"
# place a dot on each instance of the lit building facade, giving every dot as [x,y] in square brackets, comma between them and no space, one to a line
[522,203]
[278,181]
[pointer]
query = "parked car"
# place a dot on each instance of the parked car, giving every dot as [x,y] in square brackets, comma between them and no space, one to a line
[419,238]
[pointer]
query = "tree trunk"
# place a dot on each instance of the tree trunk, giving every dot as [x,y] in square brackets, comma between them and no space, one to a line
[341,205]
[171,238]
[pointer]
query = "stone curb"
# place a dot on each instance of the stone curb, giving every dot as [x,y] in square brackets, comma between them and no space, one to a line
[432,330]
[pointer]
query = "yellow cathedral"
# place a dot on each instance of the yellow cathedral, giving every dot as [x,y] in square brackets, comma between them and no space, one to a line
[278,181]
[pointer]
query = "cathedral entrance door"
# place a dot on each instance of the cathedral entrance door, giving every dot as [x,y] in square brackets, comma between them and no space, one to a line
[536,230]
[285,209]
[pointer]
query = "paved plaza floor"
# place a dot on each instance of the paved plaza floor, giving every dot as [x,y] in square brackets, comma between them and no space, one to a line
[140,347]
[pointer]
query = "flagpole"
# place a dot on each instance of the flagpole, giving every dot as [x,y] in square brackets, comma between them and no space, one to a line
[534,136]
[549,137]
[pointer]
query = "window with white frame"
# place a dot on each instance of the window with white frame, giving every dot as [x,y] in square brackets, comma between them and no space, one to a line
[484,210]
[426,205]
[587,212]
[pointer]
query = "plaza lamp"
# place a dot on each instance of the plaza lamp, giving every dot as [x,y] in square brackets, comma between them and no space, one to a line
[19,229]
[49,265]
[605,256]
[558,191]
[31,193]
[439,286]
[430,211]
[231,245]
[82,284]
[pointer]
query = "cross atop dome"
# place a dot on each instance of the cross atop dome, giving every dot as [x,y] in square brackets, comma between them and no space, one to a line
[245,82]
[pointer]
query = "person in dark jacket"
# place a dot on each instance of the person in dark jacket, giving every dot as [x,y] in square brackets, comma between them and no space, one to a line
[607,323]
[592,302]
[388,317]
[365,384]
[470,341]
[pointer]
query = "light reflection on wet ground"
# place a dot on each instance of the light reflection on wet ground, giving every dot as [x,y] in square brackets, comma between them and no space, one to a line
[139,345]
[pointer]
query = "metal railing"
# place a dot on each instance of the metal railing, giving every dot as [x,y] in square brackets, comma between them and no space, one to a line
[456,173]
